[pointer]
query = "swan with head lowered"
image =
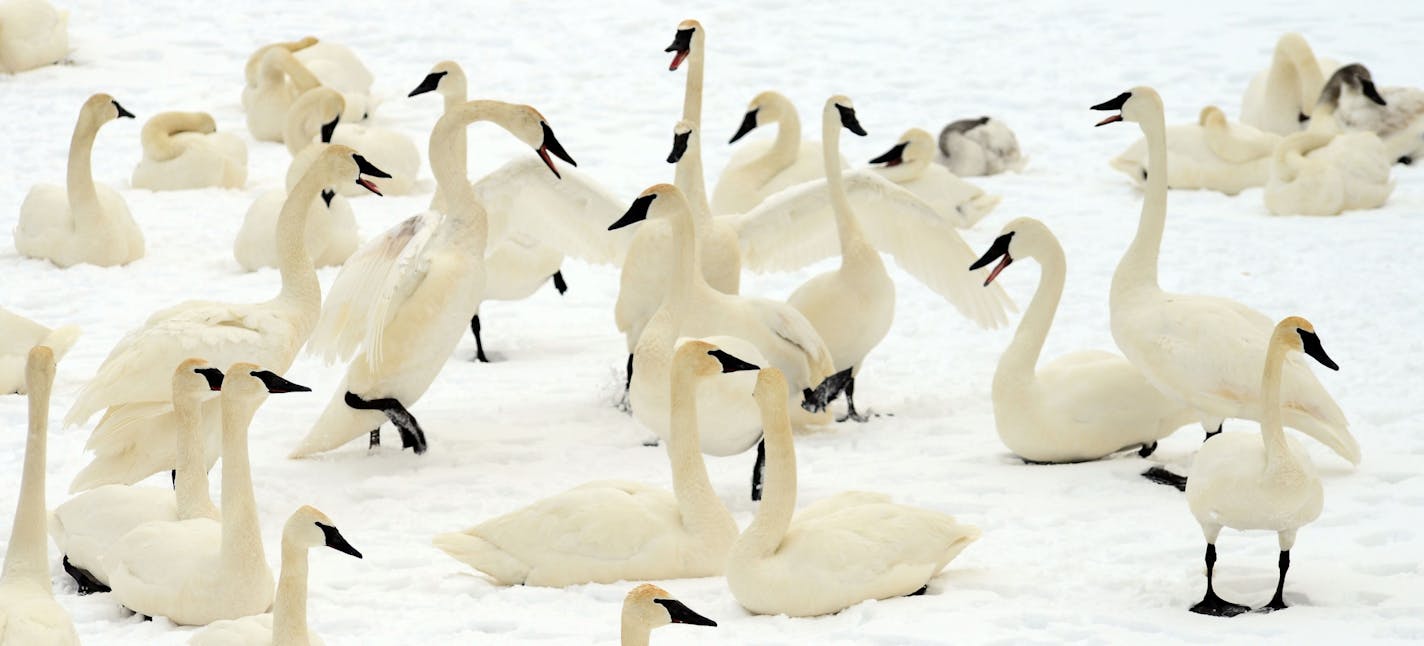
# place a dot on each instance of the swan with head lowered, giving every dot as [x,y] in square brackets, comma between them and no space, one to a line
[338,67]
[648,607]
[1205,351]
[135,437]
[1081,406]
[81,222]
[1244,482]
[609,531]
[982,146]
[17,336]
[400,304]
[196,571]
[1281,97]
[1396,114]
[275,80]
[760,169]
[32,34]
[1212,154]
[183,150]
[907,163]
[29,614]
[839,551]
[391,150]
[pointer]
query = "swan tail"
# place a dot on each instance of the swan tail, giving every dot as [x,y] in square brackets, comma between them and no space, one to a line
[484,556]
[61,339]
[960,537]
[337,425]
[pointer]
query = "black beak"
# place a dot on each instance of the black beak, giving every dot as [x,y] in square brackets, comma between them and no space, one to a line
[682,45]
[429,84]
[327,196]
[1114,103]
[551,145]
[893,157]
[336,541]
[731,363]
[329,129]
[1310,343]
[849,121]
[367,168]
[277,385]
[682,614]
[122,112]
[213,375]
[636,213]
[825,392]
[679,146]
[1368,87]
[749,123]
[999,248]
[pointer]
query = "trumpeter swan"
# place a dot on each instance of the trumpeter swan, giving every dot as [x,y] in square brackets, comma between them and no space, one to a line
[17,335]
[1396,114]
[275,79]
[757,170]
[32,34]
[648,607]
[1212,154]
[982,146]
[907,163]
[338,68]
[183,150]
[1280,98]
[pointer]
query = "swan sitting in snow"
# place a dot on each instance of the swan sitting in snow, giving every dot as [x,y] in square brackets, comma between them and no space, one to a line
[976,147]
[1396,114]
[1212,154]
[908,163]
[758,170]
[647,607]
[183,150]
[32,34]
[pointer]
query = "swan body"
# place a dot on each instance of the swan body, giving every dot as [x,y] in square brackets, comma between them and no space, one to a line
[17,336]
[838,552]
[29,614]
[82,222]
[275,80]
[648,607]
[337,67]
[1201,350]
[388,149]
[1083,405]
[1212,154]
[1280,98]
[609,531]
[1399,123]
[908,164]
[760,169]
[977,147]
[183,150]
[32,34]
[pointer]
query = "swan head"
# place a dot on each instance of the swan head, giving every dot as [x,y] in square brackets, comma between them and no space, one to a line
[682,134]
[652,607]
[1354,79]
[308,527]
[322,105]
[1020,238]
[1140,105]
[705,359]
[767,107]
[845,111]
[339,161]
[1298,334]
[916,148]
[654,201]
[248,381]
[1211,116]
[444,77]
[688,37]
[105,108]
[194,378]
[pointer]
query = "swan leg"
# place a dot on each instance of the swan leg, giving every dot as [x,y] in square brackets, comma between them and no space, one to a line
[850,400]
[559,283]
[412,437]
[1164,477]
[173,478]
[815,400]
[1278,602]
[757,470]
[1212,604]
[88,584]
[1147,449]
[375,438]
[479,343]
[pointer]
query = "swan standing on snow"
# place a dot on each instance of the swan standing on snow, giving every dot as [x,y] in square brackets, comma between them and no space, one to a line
[287,622]
[135,437]
[1396,114]
[199,570]
[183,150]
[1212,154]
[1242,482]
[976,147]
[29,614]
[1081,406]
[837,552]
[32,34]
[86,525]
[758,170]
[275,80]
[1281,97]
[647,607]
[17,336]
[1201,350]
[609,531]
[907,163]
[83,222]
[403,299]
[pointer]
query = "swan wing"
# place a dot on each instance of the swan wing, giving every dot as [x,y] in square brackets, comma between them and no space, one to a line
[890,542]
[790,326]
[523,199]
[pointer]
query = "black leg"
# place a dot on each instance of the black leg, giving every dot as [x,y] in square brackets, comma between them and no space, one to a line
[1147,449]
[850,401]
[1164,477]
[921,592]
[375,438]
[1212,434]
[628,384]
[86,581]
[412,437]
[757,470]
[479,343]
[1278,602]
[173,478]
[559,283]
[1212,604]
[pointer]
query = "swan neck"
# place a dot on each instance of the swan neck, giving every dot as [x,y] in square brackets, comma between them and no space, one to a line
[83,196]
[241,533]
[191,488]
[27,558]
[302,78]
[449,159]
[635,631]
[1273,434]
[1138,267]
[294,262]
[764,535]
[289,611]
[686,275]
[157,135]
[786,148]
[1020,359]
[847,229]
[692,93]
[454,91]
[689,179]
[697,501]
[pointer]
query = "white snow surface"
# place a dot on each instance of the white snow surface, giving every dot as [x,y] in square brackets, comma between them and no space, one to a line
[1084,552]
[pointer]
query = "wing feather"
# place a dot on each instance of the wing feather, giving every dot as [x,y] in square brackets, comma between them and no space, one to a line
[523,199]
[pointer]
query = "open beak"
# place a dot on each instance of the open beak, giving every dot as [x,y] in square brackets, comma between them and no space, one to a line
[893,157]
[1114,103]
[1000,248]
[681,46]
[367,168]
[551,145]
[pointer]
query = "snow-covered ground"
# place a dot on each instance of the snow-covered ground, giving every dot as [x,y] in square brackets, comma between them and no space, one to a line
[1086,552]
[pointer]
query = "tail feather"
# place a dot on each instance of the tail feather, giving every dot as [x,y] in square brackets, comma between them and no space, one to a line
[484,556]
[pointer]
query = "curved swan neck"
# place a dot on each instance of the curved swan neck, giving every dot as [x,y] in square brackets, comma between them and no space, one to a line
[281,60]
[692,93]
[1290,153]
[83,197]
[454,89]
[1138,267]
[1273,434]
[157,134]
[688,177]
[697,501]
[241,532]
[1020,359]
[289,611]
[191,488]
[294,262]
[852,240]
[28,555]
[635,630]
[449,159]
[1304,70]
[786,148]
[778,502]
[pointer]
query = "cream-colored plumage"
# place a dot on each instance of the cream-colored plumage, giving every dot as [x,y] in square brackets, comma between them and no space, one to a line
[1203,350]
[1212,154]
[648,607]
[1245,482]
[29,614]
[85,526]
[134,439]
[1281,97]
[81,222]
[17,336]
[183,150]
[388,149]
[758,170]
[614,530]
[837,552]
[275,80]
[338,67]
[908,164]
[286,624]
[32,34]
[1083,405]
[977,147]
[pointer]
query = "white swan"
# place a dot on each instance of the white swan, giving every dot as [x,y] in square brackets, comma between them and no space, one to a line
[1244,482]
[183,150]
[758,170]
[1280,98]
[81,222]
[338,68]
[199,570]
[647,607]
[837,552]
[86,525]
[275,79]
[32,34]
[135,437]
[1201,350]
[1396,114]
[608,531]
[403,299]
[1212,154]
[286,624]
[1081,406]
[908,163]
[29,614]
[976,147]
[17,336]
[331,233]
[391,150]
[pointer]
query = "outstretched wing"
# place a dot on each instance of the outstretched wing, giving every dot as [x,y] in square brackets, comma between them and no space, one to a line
[522,198]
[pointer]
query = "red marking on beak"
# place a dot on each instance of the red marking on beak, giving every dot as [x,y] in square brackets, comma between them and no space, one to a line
[369,185]
[1113,119]
[544,155]
[678,58]
[1005,262]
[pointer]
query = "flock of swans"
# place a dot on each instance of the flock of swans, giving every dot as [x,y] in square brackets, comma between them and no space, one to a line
[710,371]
